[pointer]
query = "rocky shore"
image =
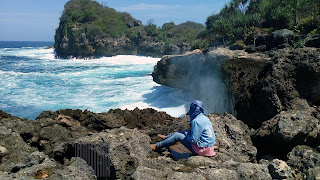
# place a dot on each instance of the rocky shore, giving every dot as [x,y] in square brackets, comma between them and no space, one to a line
[45,147]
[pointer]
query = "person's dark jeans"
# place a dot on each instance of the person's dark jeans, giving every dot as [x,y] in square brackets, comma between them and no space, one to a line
[173,139]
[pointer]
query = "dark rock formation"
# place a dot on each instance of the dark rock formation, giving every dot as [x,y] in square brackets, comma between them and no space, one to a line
[180,71]
[279,169]
[313,41]
[233,138]
[287,130]
[279,39]
[276,40]
[201,74]
[260,85]
[274,85]
[99,47]
[305,160]
[48,151]
[49,148]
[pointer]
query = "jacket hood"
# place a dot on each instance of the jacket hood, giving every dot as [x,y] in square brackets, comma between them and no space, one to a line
[196,108]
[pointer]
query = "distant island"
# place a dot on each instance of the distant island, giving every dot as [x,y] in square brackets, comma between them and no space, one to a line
[89,29]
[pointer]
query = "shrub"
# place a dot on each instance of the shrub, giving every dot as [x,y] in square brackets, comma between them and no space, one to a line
[199,44]
[238,19]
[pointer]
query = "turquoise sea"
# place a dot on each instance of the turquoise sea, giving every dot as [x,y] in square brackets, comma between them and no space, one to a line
[32,81]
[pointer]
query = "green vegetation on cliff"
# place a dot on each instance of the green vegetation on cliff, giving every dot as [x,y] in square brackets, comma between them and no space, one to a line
[242,18]
[86,28]
[89,29]
[84,21]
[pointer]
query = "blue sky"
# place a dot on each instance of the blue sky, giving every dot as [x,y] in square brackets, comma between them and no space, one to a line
[36,20]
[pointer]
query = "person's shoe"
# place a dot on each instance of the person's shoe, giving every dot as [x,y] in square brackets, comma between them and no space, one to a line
[161,136]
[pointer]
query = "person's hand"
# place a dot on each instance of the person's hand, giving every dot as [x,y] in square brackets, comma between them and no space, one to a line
[161,136]
[187,132]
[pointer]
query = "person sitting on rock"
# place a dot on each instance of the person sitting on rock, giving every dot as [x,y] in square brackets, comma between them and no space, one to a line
[199,139]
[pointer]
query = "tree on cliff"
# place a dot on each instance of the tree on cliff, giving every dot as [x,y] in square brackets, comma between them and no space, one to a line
[240,18]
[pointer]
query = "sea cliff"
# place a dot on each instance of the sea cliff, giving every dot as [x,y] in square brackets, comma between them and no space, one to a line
[88,29]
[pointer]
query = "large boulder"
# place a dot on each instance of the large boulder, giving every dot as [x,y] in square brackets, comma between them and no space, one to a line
[313,41]
[276,40]
[128,148]
[179,70]
[242,74]
[15,134]
[233,138]
[248,170]
[278,169]
[305,161]
[286,130]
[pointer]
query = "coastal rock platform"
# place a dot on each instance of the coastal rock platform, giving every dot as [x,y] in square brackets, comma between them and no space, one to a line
[46,148]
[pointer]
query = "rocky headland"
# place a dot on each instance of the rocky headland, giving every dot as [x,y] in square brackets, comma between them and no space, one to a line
[88,29]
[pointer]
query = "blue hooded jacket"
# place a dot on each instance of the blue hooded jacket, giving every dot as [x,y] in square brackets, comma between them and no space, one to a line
[201,131]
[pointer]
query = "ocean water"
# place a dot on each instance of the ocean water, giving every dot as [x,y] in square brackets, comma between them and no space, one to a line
[32,81]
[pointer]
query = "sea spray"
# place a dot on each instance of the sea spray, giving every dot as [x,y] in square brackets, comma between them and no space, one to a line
[198,74]
[210,87]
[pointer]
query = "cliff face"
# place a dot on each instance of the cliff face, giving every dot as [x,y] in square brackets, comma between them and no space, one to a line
[89,29]
[289,80]
[261,85]
[204,75]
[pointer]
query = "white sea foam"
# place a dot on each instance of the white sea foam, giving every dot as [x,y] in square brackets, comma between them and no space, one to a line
[40,82]
[119,60]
